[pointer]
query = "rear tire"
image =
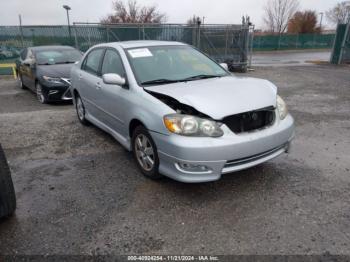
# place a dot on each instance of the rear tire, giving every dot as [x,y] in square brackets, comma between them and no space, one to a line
[80,109]
[145,153]
[7,192]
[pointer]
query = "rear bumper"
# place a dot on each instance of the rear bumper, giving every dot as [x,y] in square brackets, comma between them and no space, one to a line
[209,158]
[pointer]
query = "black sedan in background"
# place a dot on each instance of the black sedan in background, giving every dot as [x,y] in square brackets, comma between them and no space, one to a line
[46,71]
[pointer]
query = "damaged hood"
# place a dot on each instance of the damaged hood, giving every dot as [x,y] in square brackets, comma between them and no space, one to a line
[221,97]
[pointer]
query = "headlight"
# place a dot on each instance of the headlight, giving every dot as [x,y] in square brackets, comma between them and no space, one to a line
[282,108]
[53,80]
[187,125]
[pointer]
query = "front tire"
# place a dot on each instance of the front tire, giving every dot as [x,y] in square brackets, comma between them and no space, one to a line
[145,153]
[7,192]
[40,94]
[80,109]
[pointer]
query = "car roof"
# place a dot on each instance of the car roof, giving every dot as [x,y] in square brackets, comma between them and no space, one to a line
[140,43]
[50,47]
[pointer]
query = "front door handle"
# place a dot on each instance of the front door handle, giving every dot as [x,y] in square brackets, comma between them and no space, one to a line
[98,85]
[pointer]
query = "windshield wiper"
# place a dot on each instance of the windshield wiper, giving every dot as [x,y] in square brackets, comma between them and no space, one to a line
[58,63]
[168,81]
[197,77]
[161,81]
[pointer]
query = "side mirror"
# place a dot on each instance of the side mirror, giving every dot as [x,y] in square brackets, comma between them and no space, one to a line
[224,66]
[113,79]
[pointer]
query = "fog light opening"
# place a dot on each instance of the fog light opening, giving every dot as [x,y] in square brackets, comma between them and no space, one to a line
[193,168]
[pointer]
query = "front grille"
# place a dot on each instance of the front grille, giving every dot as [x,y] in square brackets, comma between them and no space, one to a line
[250,121]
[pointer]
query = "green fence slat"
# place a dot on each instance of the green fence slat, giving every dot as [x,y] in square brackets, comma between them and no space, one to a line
[286,42]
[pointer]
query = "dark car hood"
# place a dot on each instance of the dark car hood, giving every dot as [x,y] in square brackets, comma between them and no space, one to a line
[60,70]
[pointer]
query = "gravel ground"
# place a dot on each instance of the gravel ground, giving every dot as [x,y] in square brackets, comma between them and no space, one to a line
[79,191]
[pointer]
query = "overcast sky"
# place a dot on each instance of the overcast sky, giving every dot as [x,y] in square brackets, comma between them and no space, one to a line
[178,11]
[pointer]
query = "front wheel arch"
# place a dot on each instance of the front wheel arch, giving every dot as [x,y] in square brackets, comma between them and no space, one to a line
[134,123]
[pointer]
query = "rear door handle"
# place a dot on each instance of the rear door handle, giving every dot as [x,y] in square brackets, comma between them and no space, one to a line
[80,76]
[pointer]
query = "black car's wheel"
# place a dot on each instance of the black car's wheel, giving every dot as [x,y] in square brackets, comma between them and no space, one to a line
[145,153]
[40,94]
[7,192]
[80,108]
[20,82]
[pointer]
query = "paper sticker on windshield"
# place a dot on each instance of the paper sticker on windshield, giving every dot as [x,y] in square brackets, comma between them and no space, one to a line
[141,52]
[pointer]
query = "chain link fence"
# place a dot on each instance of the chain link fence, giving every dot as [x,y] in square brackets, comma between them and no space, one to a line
[224,43]
[232,44]
[295,41]
[14,38]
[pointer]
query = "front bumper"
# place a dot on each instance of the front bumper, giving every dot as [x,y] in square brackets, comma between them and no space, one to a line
[58,93]
[217,156]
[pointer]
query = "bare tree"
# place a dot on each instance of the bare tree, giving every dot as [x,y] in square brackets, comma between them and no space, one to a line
[133,13]
[278,13]
[339,13]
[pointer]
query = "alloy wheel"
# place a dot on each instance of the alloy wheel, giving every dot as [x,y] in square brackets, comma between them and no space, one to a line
[39,94]
[80,109]
[144,152]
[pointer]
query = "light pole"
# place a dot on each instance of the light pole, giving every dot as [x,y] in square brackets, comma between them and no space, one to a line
[321,22]
[67,9]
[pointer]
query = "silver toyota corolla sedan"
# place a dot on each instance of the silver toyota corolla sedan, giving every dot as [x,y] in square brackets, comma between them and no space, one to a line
[180,113]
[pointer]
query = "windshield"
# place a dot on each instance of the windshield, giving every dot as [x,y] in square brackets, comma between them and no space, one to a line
[63,56]
[167,64]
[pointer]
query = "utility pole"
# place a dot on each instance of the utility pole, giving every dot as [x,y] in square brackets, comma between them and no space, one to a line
[21,30]
[67,9]
[321,22]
